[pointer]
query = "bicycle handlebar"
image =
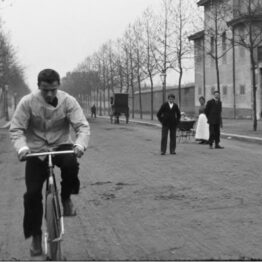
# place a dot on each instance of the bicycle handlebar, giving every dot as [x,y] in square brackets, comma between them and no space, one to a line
[50,153]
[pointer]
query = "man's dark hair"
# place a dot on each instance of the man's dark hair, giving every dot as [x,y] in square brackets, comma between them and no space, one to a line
[216,92]
[49,76]
[171,96]
[201,97]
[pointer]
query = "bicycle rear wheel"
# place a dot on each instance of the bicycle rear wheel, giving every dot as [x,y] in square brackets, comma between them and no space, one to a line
[53,229]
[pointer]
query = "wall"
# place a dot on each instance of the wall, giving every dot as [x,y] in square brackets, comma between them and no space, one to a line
[187,96]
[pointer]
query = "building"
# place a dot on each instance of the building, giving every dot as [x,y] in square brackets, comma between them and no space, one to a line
[219,46]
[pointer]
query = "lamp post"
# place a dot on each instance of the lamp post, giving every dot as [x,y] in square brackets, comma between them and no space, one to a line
[163,79]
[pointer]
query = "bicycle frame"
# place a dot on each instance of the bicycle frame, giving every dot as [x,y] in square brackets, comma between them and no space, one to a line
[51,188]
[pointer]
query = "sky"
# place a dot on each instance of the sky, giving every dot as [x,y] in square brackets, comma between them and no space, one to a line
[60,34]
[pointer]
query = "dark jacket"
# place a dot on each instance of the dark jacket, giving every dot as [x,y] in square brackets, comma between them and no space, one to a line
[213,111]
[169,117]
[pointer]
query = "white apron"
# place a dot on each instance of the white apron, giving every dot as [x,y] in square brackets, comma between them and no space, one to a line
[202,128]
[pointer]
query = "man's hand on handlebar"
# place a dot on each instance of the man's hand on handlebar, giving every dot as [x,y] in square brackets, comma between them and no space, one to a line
[78,151]
[22,154]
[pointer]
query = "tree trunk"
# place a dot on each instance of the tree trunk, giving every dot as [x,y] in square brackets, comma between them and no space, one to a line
[152,96]
[253,70]
[179,87]
[132,85]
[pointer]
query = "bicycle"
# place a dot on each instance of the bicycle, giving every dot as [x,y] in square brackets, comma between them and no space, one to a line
[53,216]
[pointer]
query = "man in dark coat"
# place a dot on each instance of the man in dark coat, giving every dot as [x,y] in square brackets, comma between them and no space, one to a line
[93,111]
[169,116]
[213,112]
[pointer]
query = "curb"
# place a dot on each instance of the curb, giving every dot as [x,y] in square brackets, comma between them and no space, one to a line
[242,138]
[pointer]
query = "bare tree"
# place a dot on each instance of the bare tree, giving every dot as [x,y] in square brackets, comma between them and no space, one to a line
[128,36]
[217,32]
[150,63]
[182,21]
[138,59]
[163,34]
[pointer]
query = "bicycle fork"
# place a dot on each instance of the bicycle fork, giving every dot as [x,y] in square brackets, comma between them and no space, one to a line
[54,240]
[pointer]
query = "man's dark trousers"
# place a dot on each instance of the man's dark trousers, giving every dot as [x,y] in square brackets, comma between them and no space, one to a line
[214,134]
[172,135]
[36,172]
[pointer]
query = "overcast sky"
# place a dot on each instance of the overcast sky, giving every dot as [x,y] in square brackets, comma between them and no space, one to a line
[59,34]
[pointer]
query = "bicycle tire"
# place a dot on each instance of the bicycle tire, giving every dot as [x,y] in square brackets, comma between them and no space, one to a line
[53,229]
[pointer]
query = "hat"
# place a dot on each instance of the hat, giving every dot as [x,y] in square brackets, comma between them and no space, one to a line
[171,96]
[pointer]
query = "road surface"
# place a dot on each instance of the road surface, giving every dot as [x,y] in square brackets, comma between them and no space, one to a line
[137,205]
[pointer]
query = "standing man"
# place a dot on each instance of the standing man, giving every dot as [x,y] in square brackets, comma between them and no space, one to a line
[41,123]
[169,116]
[93,111]
[213,112]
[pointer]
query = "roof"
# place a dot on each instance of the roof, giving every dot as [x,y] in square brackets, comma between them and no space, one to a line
[243,19]
[202,2]
[197,35]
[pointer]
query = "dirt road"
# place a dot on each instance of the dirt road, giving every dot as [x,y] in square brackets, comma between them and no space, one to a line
[137,205]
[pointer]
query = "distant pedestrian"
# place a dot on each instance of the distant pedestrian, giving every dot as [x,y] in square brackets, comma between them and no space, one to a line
[169,116]
[213,112]
[202,128]
[93,111]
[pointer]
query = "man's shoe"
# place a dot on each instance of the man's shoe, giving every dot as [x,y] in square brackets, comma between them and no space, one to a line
[36,246]
[162,153]
[173,153]
[68,207]
[219,147]
[210,146]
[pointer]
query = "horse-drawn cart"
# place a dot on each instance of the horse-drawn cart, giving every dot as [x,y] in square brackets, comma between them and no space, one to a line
[119,105]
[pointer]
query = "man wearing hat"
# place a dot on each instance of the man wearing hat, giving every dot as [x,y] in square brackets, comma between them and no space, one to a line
[213,112]
[169,116]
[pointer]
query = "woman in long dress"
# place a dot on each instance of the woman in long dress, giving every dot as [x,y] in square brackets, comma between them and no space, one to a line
[202,128]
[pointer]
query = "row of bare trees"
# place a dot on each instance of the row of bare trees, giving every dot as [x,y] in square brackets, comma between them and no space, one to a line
[157,43]
[12,82]
[154,45]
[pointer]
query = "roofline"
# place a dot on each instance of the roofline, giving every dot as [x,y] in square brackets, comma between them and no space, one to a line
[243,19]
[203,2]
[197,35]
[168,88]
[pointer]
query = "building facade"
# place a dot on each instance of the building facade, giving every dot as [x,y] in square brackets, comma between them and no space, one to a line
[219,46]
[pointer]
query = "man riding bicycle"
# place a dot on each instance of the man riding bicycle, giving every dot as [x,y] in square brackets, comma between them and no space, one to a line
[40,123]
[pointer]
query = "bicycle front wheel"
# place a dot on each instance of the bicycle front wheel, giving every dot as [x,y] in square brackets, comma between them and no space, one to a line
[53,229]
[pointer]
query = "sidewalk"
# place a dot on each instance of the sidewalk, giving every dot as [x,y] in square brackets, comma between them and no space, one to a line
[239,129]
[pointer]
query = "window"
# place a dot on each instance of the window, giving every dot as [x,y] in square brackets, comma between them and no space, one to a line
[198,51]
[224,48]
[242,89]
[259,54]
[242,51]
[186,91]
[236,7]
[199,91]
[212,44]
[224,41]
[224,90]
